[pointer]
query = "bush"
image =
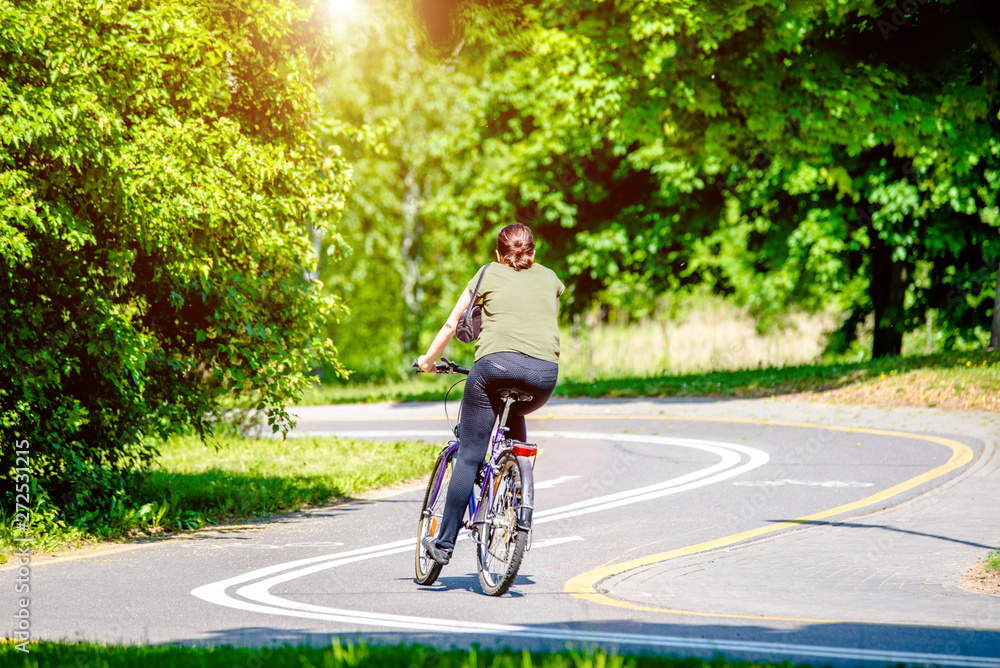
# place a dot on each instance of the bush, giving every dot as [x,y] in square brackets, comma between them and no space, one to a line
[160,185]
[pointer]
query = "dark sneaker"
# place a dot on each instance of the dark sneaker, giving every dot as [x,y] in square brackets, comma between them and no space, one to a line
[438,554]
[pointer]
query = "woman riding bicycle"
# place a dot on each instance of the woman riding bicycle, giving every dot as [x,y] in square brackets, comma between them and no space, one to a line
[518,346]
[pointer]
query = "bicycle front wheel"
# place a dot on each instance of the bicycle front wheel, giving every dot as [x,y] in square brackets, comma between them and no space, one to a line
[431,513]
[500,543]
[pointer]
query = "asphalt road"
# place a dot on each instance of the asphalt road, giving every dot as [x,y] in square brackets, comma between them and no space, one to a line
[754,529]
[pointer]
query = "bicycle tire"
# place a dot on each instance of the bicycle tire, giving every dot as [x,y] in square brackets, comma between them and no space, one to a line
[425,568]
[500,542]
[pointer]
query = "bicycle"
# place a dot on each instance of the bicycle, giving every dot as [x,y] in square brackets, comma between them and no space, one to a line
[500,506]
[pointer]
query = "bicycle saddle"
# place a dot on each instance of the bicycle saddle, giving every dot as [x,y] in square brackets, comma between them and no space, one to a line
[515,394]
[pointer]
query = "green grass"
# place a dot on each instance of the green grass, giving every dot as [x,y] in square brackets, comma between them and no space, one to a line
[243,477]
[338,655]
[972,369]
[418,387]
[993,561]
[230,479]
[955,373]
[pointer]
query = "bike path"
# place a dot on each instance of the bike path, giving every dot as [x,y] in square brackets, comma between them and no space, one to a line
[145,594]
[901,570]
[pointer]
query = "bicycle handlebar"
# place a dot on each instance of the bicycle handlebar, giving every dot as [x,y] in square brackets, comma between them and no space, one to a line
[444,366]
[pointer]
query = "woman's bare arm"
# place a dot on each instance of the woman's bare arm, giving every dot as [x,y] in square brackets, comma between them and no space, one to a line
[443,338]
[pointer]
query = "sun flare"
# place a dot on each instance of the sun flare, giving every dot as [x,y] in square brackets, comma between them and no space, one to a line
[342,6]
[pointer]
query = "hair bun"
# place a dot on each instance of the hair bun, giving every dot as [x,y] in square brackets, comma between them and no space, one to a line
[515,245]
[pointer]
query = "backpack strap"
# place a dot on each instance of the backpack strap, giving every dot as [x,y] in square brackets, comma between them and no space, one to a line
[478,283]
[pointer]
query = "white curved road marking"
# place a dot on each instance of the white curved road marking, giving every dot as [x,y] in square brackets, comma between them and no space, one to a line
[729,466]
[549,542]
[806,483]
[547,484]
[730,456]
[256,597]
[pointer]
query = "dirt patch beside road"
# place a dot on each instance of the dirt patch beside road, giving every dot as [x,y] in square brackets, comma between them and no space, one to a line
[981,580]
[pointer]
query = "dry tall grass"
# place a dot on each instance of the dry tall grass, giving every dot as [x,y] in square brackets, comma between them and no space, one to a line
[710,337]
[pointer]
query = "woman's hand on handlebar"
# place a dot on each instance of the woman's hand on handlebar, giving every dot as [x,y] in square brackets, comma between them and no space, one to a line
[425,364]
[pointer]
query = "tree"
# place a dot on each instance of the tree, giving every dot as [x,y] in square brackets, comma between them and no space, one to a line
[923,192]
[776,151]
[394,109]
[160,179]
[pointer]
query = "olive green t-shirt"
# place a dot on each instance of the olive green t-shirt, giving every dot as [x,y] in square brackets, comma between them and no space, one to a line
[520,311]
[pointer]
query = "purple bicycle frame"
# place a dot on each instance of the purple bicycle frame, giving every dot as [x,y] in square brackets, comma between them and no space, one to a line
[448,453]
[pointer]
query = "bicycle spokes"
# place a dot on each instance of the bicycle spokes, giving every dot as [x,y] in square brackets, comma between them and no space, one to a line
[500,542]
[500,505]
[431,514]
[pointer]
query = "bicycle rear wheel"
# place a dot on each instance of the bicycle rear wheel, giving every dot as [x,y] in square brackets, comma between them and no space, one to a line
[500,543]
[431,512]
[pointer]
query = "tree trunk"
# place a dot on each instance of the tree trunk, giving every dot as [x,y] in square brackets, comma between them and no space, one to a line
[887,290]
[995,329]
[316,236]
[412,292]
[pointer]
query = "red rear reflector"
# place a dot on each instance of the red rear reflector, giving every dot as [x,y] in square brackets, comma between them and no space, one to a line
[525,449]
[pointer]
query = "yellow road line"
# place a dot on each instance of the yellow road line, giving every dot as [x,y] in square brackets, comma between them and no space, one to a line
[584,586]
[40,558]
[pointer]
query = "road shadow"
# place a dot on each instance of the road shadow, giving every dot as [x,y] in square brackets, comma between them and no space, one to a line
[470,583]
[883,527]
[834,644]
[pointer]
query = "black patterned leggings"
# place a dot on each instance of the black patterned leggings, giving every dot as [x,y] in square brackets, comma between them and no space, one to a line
[480,406]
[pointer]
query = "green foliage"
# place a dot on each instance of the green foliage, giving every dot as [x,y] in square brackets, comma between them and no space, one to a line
[403,264]
[161,177]
[792,155]
[343,654]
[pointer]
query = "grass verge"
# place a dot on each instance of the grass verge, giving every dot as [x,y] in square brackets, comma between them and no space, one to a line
[422,387]
[231,479]
[339,655]
[953,380]
[993,562]
[968,380]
